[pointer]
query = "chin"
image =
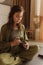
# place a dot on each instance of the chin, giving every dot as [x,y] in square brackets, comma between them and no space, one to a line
[18,22]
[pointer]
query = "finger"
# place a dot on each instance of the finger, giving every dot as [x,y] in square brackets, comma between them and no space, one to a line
[17,38]
[26,46]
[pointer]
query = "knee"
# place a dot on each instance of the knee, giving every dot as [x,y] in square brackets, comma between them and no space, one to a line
[34,48]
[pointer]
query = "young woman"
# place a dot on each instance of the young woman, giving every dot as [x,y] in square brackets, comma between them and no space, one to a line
[14,36]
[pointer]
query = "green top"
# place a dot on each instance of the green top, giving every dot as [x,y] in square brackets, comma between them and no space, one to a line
[6,33]
[9,34]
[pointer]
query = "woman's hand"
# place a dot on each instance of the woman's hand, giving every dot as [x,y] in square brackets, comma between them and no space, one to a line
[16,41]
[26,45]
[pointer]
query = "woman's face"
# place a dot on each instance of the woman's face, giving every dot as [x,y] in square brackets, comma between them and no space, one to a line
[17,17]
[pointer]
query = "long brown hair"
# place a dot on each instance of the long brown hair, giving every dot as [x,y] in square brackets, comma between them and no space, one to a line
[14,9]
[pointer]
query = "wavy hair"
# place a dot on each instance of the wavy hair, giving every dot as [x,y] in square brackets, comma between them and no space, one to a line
[14,9]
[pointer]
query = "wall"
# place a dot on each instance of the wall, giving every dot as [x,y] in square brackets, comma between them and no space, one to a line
[32,14]
[8,2]
[41,25]
[4,11]
[41,12]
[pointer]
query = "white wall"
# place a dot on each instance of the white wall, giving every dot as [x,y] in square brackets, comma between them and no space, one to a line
[4,11]
[37,7]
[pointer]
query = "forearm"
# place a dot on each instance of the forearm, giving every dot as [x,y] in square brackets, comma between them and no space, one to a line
[5,44]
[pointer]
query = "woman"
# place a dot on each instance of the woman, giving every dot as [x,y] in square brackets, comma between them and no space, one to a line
[14,36]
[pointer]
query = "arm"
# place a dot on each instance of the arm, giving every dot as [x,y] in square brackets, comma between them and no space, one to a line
[3,40]
[4,44]
[26,45]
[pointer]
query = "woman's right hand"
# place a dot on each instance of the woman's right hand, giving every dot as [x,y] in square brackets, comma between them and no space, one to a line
[15,42]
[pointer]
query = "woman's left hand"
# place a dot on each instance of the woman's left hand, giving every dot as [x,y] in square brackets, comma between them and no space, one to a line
[26,45]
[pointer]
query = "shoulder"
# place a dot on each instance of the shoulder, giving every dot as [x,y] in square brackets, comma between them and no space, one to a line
[4,27]
[22,26]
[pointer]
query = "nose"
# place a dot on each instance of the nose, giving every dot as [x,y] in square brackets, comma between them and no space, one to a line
[19,18]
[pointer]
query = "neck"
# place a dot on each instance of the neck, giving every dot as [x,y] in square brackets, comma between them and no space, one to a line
[14,24]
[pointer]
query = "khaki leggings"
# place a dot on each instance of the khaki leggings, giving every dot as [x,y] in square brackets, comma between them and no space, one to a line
[27,54]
